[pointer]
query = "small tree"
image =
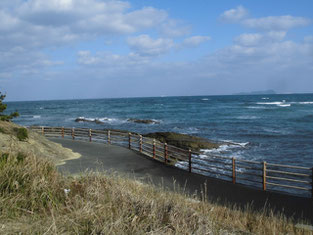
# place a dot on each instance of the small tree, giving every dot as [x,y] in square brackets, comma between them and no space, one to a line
[3,107]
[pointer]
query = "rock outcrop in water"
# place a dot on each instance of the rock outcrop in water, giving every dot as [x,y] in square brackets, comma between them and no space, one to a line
[103,120]
[183,141]
[143,121]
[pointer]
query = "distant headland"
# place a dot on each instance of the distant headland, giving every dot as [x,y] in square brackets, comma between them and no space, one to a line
[266,92]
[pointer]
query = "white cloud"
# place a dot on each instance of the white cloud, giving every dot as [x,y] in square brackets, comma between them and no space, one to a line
[144,45]
[36,25]
[21,61]
[85,16]
[8,22]
[174,28]
[257,39]
[276,22]
[234,15]
[195,41]
[249,39]
[269,23]
[107,59]
[277,35]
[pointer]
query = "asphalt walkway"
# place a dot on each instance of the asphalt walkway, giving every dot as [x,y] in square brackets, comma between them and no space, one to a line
[99,156]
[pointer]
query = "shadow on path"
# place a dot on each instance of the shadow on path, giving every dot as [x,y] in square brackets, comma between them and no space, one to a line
[97,156]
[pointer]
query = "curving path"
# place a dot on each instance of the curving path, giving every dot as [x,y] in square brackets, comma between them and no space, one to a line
[99,156]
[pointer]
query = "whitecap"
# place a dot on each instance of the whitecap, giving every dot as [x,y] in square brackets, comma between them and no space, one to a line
[255,107]
[220,149]
[36,116]
[205,99]
[88,119]
[265,98]
[247,117]
[111,120]
[270,103]
[305,102]
[284,105]
[277,103]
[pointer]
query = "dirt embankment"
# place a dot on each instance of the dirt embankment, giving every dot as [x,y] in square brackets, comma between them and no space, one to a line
[34,144]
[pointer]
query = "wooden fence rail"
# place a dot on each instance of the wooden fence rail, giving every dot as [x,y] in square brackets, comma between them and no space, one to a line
[264,175]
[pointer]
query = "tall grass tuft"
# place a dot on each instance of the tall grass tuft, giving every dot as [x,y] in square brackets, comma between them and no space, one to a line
[36,199]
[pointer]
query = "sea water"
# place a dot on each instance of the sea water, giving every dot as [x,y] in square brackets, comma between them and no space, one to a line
[273,128]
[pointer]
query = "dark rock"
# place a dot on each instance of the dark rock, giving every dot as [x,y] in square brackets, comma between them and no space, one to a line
[98,121]
[143,121]
[183,141]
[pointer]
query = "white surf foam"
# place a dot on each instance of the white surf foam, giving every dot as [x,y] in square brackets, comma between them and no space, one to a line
[205,99]
[36,116]
[247,117]
[271,103]
[304,102]
[284,105]
[104,120]
[277,103]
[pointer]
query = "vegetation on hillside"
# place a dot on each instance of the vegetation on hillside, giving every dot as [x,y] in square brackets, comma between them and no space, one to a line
[36,199]
[4,117]
[16,139]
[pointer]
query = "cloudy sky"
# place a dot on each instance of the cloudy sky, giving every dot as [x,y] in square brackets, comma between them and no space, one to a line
[68,49]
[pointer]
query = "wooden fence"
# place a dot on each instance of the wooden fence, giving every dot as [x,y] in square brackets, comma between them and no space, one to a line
[264,175]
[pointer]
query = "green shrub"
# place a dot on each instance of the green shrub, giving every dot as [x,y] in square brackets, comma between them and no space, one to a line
[4,117]
[2,130]
[21,133]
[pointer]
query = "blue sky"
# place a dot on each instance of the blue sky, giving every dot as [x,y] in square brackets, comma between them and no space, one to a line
[69,49]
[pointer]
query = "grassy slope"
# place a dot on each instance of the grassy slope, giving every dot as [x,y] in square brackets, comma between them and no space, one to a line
[35,144]
[33,200]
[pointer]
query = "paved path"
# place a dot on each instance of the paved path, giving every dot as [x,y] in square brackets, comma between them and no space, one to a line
[99,156]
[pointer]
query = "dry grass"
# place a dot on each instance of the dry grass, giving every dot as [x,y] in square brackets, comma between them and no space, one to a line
[35,144]
[33,201]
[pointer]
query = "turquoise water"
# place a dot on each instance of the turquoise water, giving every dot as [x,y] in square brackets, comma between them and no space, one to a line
[275,128]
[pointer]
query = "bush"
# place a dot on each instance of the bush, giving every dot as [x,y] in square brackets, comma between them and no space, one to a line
[21,133]
[3,107]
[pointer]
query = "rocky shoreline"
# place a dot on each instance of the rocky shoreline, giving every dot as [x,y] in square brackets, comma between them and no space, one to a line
[176,139]
[183,141]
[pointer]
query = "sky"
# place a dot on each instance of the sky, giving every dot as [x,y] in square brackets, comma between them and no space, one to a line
[81,49]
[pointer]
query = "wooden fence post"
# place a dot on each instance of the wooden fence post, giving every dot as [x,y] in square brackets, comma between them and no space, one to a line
[89,135]
[43,130]
[312,184]
[189,160]
[109,137]
[129,140]
[234,171]
[165,153]
[73,133]
[140,144]
[62,131]
[264,176]
[153,148]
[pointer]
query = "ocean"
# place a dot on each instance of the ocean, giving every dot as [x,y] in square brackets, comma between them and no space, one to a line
[273,128]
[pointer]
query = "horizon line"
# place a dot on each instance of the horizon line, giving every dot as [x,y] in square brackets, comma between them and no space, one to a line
[160,96]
